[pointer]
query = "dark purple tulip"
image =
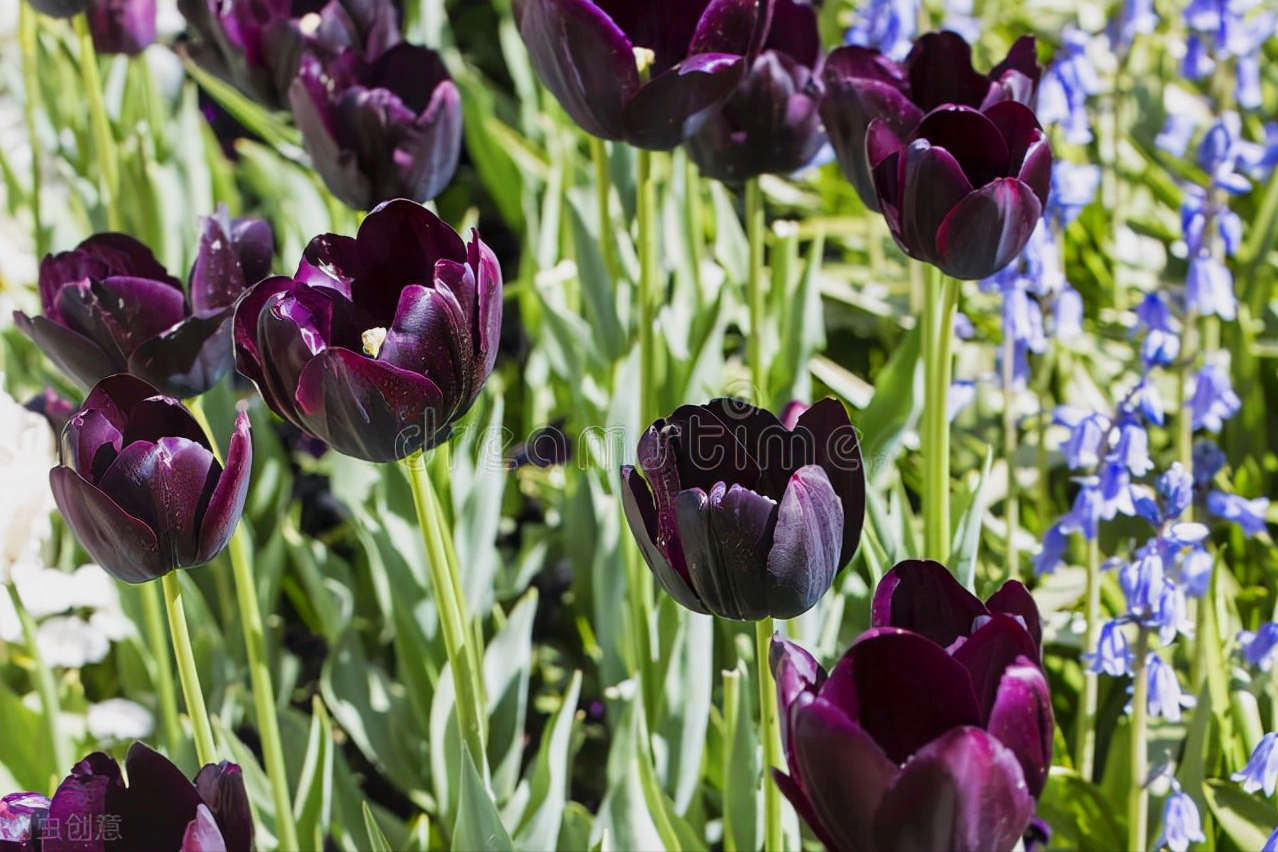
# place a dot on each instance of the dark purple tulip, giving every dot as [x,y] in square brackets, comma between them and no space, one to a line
[862,85]
[122,26]
[21,818]
[770,124]
[380,342]
[908,746]
[387,129]
[53,407]
[257,45]
[60,8]
[585,51]
[110,307]
[965,189]
[139,485]
[160,809]
[740,517]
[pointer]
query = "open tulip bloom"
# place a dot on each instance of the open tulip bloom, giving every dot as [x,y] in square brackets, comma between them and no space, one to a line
[909,744]
[694,52]
[739,516]
[139,485]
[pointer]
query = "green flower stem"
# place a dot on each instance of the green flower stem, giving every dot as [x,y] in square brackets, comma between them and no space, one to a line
[471,716]
[755,290]
[603,197]
[692,221]
[939,303]
[158,641]
[1185,375]
[1085,735]
[99,124]
[205,750]
[1138,796]
[770,731]
[28,36]
[649,267]
[46,685]
[1012,507]
[731,718]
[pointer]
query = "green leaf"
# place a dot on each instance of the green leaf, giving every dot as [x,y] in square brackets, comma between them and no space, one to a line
[478,824]
[543,818]
[741,803]
[22,748]
[967,532]
[376,838]
[597,286]
[313,805]
[272,127]
[1081,816]
[895,407]
[507,669]
[1247,821]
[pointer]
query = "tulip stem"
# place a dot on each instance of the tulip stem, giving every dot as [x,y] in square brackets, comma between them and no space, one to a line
[165,696]
[188,674]
[755,221]
[443,575]
[1012,508]
[1138,801]
[1085,734]
[731,718]
[939,304]
[770,732]
[649,264]
[46,685]
[99,124]
[603,195]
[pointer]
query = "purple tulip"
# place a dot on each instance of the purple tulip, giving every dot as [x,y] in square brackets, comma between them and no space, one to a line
[862,85]
[160,809]
[380,342]
[22,816]
[376,131]
[769,125]
[646,73]
[110,307]
[122,26]
[258,45]
[741,517]
[139,485]
[910,745]
[965,189]
[53,407]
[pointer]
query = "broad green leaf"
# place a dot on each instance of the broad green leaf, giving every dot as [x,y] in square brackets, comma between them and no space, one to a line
[1247,820]
[1081,816]
[507,669]
[313,805]
[544,817]
[376,838]
[478,824]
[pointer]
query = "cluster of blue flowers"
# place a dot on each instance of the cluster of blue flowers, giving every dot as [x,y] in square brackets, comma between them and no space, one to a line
[1223,30]
[890,26]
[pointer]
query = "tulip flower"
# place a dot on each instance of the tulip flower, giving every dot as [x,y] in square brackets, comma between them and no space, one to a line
[741,517]
[965,189]
[257,45]
[908,745]
[769,125]
[643,73]
[378,343]
[122,26]
[139,485]
[21,818]
[110,307]
[160,809]
[862,85]
[376,131]
[55,408]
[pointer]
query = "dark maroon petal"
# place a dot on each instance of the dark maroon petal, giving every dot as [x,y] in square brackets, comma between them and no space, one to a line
[726,26]
[722,442]
[83,798]
[1015,600]
[488,298]
[838,451]
[226,502]
[221,786]
[725,536]
[124,546]
[796,673]
[116,396]
[79,357]
[125,255]
[641,516]
[216,279]
[429,149]
[910,690]
[987,230]
[189,358]
[1029,153]
[843,771]
[584,59]
[254,242]
[962,792]
[933,184]
[806,544]
[159,417]
[1021,718]
[794,32]
[923,596]
[369,410]
[202,834]
[889,188]
[431,336]
[245,323]
[291,330]
[401,241]
[1021,59]
[665,28]
[799,800]
[669,108]
[989,651]
[125,310]
[940,71]
[1036,171]
[159,803]
[316,118]
[64,269]
[657,455]
[976,141]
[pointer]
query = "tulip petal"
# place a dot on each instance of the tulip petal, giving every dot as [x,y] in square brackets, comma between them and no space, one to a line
[426,156]
[962,792]
[121,311]
[923,596]
[1036,171]
[431,336]
[975,141]
[724,537]
[221,786]
[1021,58]
[843,771]
[400,243]
[806,544]
[159,417]
[729,440]
[909,690]
[794,31]
[932,185]
[83,796]
[217,278]
[226,502]
[79,357]
[189,358]
[641,516]
[726,26]
[987,230]
[202,834]
[1015,600]
[584,59]
[488,298]
[941,72]
[248,310]
[124,546]
[160,801]
[254,242]
[1029,152]
[838,452]
[796,673]
[989,651]
[369,410]
[126,255]
[669,108]
[1021,718]
[292,329]
[799,801]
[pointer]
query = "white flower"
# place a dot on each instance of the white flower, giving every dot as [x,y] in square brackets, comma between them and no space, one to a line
[71,642]
[44,591]
[119,719]
[26,455]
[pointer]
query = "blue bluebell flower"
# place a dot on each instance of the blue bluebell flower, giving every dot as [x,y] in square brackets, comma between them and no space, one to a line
[1142,579]
[1181,823]
[1260,160]
[1248,514]
[1213,401]
[1074,186]
[1259,647]
[960,19]
[1171,617]
[1118,497]
[1132,449]
[887,26]
[1161,344]
[1271,845]
[1261,771]
[1209,460]
[1176,487]
[1086,512]
[1165,696]
[1067,314]
[1220,29]
[962,393]
[1223,150]
[1089,432]
[1137,17]
[1195,571]
[1066,85]
[1209,288]
[1177,131]
[1049,555]
[1113,656]
[1149,400]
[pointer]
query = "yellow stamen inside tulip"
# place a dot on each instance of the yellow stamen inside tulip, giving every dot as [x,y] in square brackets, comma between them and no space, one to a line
[644,59]
[373,340]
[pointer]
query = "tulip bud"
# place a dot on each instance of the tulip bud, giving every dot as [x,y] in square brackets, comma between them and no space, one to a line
[139,485]
[122,26]
[740,517]
[381,342]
